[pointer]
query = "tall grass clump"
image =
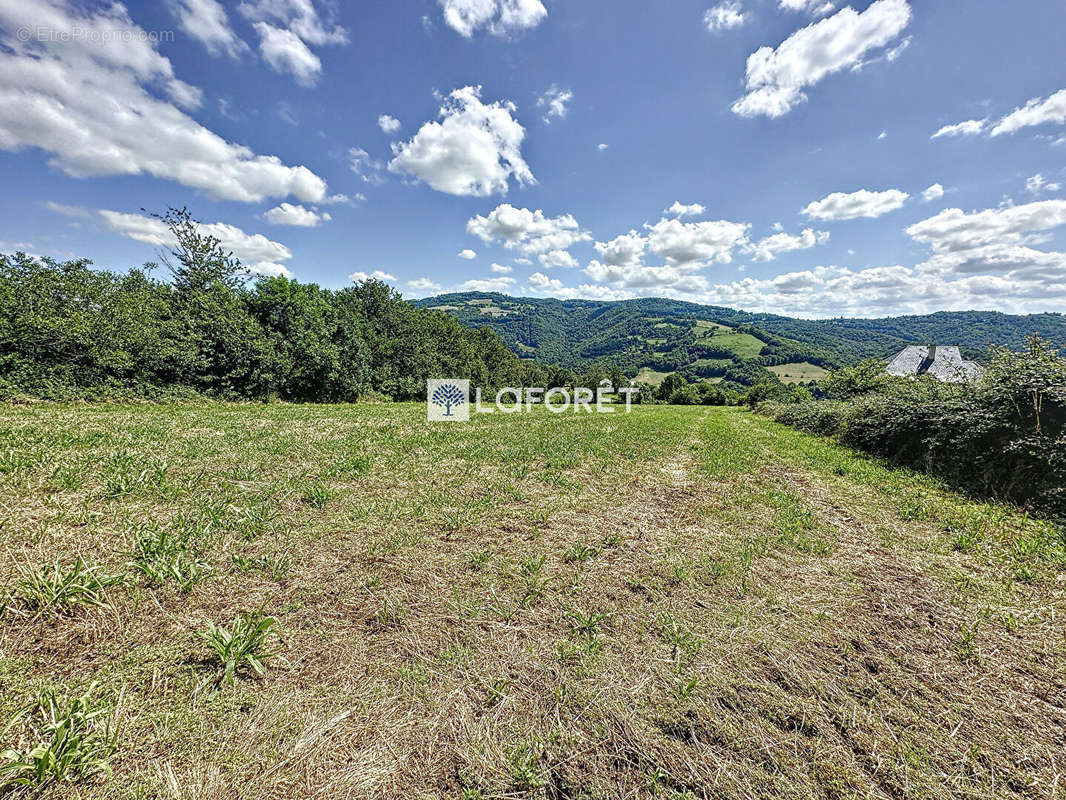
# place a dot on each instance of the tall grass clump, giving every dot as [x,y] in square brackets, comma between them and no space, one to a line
[58,740]
[240,645]
[58,589]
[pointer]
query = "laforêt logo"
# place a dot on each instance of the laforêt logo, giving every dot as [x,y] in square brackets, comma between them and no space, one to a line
[447,400]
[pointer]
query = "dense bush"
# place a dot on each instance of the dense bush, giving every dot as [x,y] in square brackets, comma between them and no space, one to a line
[1003,437]
[67,330]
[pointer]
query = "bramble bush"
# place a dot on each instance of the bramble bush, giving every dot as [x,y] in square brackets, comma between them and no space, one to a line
[1004,437]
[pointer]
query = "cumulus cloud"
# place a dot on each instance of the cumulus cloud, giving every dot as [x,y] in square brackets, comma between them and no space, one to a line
[423,285]
[485,285]
[776,78]
[772,246]
[679,209]
[473,150]
[1035,184]
[681,243]
[467,254]
[1038,111]
[91,101]
[388,124]
[377,275]
[997,240]
[207,22]
[498,17]
[934,192]
[863,203]
[287,29]
[501,269]
[526,230]
[982,259]
[724,16]
[296,215]
[557,258]
[257,253]
[624,250]
[639,276]
[555,102]
[970,127]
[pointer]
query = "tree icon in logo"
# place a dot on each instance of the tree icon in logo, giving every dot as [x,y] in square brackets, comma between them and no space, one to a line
[448,395]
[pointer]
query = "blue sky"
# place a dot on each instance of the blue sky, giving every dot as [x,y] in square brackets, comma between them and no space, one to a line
[797,156]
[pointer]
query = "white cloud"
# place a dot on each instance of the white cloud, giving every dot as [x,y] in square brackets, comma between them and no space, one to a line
[816,8]
[644,277]
[423,285]
[696,242]
[296,215]
[626,249]
[257,253]
[724,16]
[970,127]
[485,285]
[863,203]
[286,30]
[501,269]
[388,124]
[91,101]
[473,150]
[284,51]
[934,192]
[556,258]
[1035,184]
[67,211]
[602,146]
[772,246]
[207,22]
[775,79]
[529,231]
[996,240]
[556,102]
[679,209]
[1037,111]
[498,17]
[823,291]
[378,275]
[467,254]
[365,166]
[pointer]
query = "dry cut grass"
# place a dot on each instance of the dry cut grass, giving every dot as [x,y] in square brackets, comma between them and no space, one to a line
[338,602]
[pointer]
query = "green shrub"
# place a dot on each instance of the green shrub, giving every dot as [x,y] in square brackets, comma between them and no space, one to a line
[1004,437]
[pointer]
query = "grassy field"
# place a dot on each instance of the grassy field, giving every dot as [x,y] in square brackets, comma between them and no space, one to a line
[680,602]
[798,373]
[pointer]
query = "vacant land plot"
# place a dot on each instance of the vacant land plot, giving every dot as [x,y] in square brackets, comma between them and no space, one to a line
[742,344]
[679,602]
[798,373]
[650,376]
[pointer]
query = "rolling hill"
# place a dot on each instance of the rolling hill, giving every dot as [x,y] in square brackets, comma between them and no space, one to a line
[659,336]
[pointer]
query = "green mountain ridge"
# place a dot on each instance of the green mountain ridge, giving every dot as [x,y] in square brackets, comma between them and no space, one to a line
[702,341]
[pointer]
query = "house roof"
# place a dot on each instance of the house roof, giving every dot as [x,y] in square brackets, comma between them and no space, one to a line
[946,363]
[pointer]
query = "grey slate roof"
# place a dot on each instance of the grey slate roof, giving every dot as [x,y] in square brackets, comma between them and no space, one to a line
[944,362]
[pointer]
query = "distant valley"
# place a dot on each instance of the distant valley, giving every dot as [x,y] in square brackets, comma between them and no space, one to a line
[652,337]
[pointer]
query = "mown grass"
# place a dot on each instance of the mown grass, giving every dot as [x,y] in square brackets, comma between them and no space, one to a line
[346,601]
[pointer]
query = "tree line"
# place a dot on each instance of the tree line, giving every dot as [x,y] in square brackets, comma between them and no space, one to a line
[68,330]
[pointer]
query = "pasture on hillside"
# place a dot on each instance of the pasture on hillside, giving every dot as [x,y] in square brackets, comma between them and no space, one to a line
[345,601]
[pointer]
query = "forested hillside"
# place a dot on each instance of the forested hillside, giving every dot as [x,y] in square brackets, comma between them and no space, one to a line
[672,335]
